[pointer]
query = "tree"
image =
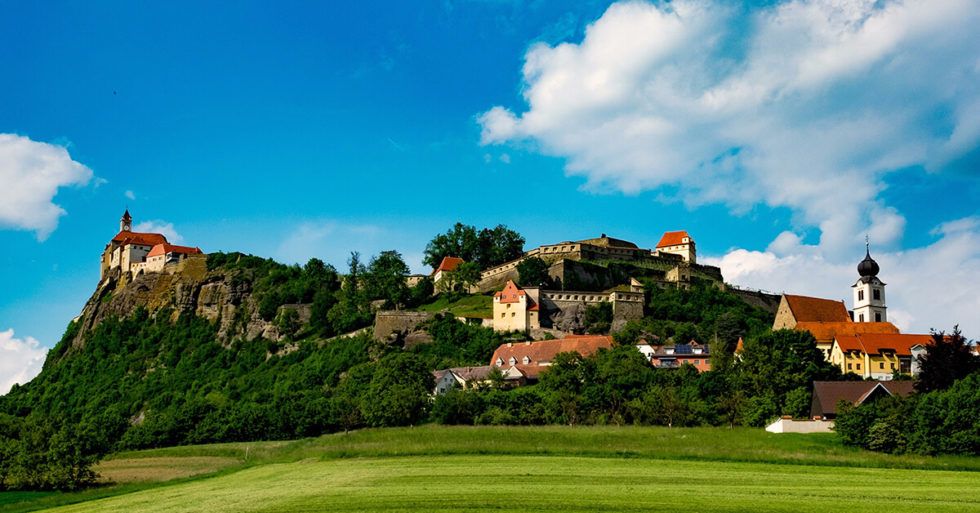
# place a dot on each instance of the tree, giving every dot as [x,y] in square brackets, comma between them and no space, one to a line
[385,279]
[399,391]
[598,318]
[533,272]
[487,248]
[947,359]
[467,274]
[775,364]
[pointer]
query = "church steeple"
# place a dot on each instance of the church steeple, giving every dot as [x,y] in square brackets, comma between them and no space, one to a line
[869,291]
[126,222]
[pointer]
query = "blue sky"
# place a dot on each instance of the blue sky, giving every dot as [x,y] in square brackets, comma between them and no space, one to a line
[313,130]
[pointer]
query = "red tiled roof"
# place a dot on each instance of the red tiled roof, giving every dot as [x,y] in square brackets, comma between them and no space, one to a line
[673,239]
[825,332]
[448,264]
[163,249]
[143,239]
[876,343]
[814,309]
[511,293]
[544,351]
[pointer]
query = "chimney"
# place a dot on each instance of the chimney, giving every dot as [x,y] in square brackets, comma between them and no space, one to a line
[527,343]
[510,344]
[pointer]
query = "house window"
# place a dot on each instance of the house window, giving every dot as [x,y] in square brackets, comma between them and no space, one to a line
[503,314]
[860,295]
[499,362]
[877,316]
[848,366]
[861,318]
[697,362]
[881,365]
[859,366]
[513,314]
[526,360]
[513,360]
[877,293]
[893,366]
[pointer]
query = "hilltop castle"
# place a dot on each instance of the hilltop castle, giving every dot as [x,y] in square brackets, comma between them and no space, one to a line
[136,252]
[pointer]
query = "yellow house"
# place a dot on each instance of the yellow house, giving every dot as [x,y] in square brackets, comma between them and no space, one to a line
[514,310]
[878,355]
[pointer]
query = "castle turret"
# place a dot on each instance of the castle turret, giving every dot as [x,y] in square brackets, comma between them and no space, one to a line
[869,292]
[126,222]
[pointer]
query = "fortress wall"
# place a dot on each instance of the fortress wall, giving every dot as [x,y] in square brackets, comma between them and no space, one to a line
[388,323]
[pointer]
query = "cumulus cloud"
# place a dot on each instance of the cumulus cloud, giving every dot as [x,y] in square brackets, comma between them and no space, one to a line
[31,173]
[804,104]
[20,360]
[161,227]
[927,287]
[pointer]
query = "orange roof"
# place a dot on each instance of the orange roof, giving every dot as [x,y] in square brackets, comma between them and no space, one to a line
[876,343]
[448,264]
[544,351]
[826,331]
[143,239]
[163,249]
[511,293]
[673,239]
[814,309]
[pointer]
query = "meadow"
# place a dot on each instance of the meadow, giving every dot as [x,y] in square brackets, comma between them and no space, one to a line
[533,469]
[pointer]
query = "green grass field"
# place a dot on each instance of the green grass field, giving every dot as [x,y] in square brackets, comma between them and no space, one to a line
[541,469]
[470,306]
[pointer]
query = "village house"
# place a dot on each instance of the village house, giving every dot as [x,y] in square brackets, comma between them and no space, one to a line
[828,394]
[674,356]
[460,377]
[447,265]
[523,362]
[163,254]
[878,355]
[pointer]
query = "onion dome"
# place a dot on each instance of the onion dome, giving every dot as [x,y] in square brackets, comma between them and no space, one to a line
[868,266]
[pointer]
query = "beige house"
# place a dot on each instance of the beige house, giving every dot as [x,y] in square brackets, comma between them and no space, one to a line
[163,254]
[515,310]
[128,248]
[678,243]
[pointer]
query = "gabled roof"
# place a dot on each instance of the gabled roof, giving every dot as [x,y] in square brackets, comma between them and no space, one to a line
[448,264]
[544,351]
[825,332]
[877,343]
[826,394]
[674,239]
[164,249]
[511,293]
[143,239]
[814,309]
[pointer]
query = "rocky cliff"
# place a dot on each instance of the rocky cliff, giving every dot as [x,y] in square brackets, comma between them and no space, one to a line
[221,295]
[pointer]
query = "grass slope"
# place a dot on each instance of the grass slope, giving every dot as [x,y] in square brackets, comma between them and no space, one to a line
[535,468]
[480,306]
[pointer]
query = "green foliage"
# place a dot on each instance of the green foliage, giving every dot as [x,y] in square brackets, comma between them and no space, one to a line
[398,392]
[385,279]
[598,318]
[487,248]
[947,359]
[533,272]
[778,366]
[457,344]
[46,453]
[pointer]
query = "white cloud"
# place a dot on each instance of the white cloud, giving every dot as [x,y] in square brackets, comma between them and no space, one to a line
[20,360]
[804,104]
[161,227]
[130,194]
[30,174]
[928,287]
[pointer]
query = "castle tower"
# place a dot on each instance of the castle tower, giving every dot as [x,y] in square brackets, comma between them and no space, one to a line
[869,292]
[126,222]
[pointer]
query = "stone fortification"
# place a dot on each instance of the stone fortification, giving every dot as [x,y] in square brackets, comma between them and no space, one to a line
[389,325]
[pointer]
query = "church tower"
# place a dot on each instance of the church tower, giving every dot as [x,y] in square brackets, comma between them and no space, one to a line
[869,292]
[126,222]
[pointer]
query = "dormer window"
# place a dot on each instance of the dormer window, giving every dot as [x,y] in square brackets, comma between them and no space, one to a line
[526,360]
[513,361]
[499,362]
